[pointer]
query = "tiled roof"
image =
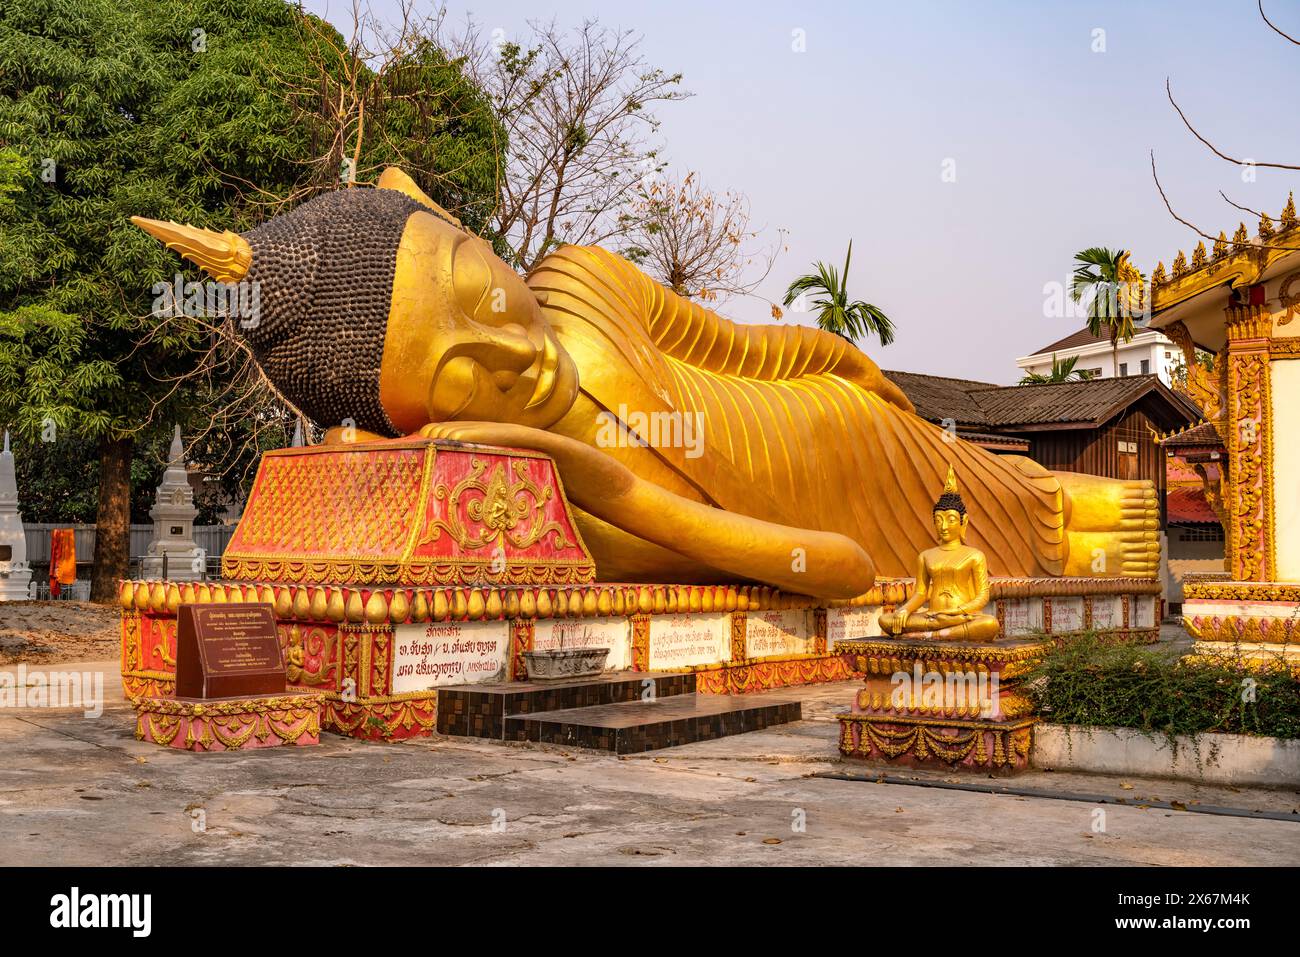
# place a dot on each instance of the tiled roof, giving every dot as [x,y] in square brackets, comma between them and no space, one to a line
[993,407]
[1079,339]
[1093,401]
[937,397]
[1187,506]
[1073,341]
[996,440]
[1204,435]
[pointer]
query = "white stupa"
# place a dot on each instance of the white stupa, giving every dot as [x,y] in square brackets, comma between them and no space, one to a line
[15,573]
[173,553]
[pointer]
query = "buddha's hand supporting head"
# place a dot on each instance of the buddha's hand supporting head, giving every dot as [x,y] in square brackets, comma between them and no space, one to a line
[375,306]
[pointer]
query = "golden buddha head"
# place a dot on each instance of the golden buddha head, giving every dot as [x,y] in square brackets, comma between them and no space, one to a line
[493,356]
[950,516]
[377,308]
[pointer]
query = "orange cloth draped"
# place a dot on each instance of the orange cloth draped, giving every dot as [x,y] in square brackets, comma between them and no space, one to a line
[63,559]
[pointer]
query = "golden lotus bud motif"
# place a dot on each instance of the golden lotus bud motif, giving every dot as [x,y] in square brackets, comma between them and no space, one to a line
[420,609]
[399,609]
[475,605]
[335,610]
[376,608]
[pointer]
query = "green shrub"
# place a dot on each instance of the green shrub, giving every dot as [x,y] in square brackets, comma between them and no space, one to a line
[1092,682]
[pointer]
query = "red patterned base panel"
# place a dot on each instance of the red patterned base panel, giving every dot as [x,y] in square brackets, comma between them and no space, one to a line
[229,724]
[913,742]
[767,675]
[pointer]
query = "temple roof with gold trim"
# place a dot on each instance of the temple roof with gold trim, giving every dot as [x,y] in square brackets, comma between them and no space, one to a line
[1240,261]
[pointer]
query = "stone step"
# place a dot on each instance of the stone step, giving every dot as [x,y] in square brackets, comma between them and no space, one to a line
[478,711]
[631,727]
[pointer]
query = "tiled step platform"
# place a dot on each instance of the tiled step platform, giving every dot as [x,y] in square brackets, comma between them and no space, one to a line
[615,712]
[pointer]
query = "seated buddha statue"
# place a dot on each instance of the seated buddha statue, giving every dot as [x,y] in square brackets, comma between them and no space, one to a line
[952,582]
[807,468]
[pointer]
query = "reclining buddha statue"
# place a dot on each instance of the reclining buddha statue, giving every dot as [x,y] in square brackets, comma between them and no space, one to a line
[793,461]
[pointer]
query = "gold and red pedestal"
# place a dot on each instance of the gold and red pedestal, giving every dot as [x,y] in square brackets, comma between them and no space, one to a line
[941,703]
[229,724]
[371,554]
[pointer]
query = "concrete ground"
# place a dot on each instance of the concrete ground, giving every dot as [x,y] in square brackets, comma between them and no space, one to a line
[82,791]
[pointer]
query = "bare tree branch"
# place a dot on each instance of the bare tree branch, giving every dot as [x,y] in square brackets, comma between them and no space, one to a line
[1285,36]
[696,242]
[575,108]
[1211,147]
[1192,226]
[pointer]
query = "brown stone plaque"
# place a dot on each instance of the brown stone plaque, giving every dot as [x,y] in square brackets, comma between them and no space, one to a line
[227,651]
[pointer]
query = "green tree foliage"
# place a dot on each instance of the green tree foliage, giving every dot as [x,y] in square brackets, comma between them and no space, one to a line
[1103,276]
[1063,370]
[1094,681]
[851,320]
[201,111]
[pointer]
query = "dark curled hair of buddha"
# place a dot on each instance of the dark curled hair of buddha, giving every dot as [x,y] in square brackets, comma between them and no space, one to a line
[950,500]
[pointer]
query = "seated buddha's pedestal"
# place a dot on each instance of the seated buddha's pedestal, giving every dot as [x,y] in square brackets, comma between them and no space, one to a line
[931,702]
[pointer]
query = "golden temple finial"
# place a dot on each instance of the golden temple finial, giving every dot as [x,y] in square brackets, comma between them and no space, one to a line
[1221,245]
[1180,264]
[1265,226]
[1199,256]
[225,256]
[1288,212]
[950,483]
[1240,239]
[1158,278]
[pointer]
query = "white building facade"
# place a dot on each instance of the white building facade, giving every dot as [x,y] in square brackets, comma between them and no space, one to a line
[1147,353]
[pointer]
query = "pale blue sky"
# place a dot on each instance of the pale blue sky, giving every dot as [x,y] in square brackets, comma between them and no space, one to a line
[1050,142]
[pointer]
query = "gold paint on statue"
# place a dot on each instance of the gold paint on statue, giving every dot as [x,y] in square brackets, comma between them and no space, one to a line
[699,450]
[952,581]
[225,256]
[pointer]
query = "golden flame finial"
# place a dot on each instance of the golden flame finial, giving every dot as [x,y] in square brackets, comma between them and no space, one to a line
[226,257]
[950,483]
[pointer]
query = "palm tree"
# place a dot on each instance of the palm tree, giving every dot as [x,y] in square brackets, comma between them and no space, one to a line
[850,320]
[1063,370]
[1103,273]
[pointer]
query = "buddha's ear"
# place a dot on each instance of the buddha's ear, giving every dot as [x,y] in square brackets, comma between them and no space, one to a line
[394,178]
